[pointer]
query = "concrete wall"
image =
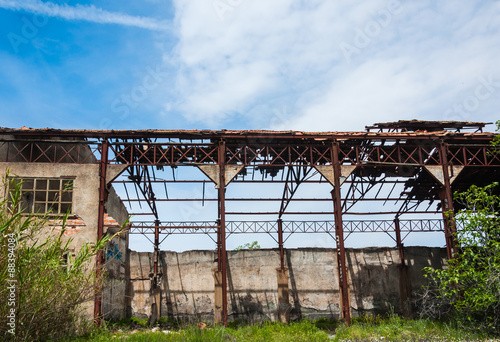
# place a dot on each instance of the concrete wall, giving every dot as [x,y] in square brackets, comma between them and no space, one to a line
[114,304]
[188,282]
[85,191]
[82,225]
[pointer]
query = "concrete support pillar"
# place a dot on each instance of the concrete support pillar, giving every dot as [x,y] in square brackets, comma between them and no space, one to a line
[404,278]
[103,196]
[405,291]
[339,236]
[282,276]
[283,297]
[156,286]
[128,284]
[218,315]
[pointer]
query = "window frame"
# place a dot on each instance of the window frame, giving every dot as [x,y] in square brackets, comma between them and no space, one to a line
[51,196]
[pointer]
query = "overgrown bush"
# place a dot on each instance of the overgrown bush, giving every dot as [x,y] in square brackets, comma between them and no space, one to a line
[43,286]
[468,289]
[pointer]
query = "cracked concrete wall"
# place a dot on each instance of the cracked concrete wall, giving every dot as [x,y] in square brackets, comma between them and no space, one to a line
[188,282]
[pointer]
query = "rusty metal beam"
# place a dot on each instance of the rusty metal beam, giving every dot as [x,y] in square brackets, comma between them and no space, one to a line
[289,227]
[255,199]
[295,176]
[280,244]
[275,181]
[310,154]
[446,195]
[222,260]
[399,242]
[376,149]
[339,236]
[239,213]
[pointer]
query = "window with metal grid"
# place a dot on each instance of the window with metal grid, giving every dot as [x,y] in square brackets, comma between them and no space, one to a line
[44,195]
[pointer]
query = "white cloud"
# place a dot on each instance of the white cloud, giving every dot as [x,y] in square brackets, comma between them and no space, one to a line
[227,66]
[82,12]
[417,60]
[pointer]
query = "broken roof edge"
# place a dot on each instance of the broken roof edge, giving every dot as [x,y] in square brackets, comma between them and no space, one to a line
[409,132]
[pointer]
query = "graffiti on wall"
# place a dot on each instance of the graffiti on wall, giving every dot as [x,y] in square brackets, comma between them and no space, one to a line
[113,252]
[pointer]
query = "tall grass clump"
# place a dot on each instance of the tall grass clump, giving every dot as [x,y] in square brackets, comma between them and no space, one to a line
[43,282]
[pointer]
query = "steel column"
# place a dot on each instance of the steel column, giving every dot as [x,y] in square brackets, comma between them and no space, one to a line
[222,260]
[156,277]
[447,204]
[280,243]
[103,195]
[282,276]
[156,247]
[404,277]
[399,243]
[339,236]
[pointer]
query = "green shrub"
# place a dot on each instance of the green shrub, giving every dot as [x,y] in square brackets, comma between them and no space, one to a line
[469,288]
[248,245]
[142,322]
[326,324]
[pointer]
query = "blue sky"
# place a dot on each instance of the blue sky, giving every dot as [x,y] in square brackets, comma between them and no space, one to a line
[316,65]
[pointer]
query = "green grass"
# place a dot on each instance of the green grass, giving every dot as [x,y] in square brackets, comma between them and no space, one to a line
[376,328]
[269,331]
[395,328]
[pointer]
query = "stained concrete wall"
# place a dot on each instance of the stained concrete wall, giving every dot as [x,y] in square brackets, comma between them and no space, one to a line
[85,190]
[114,302]
[85,193]
[85,210]
[188,282]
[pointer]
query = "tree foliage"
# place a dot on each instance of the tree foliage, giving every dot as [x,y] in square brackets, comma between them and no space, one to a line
[496,140]
[470,285]
[248,245]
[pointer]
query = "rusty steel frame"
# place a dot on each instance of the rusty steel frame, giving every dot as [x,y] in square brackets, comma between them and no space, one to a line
[410,152]
[281,244]
[391,148]
[361,188]
[289,227]
[307,154]
[221,241]
[447,205]
[294,177]
[339,237]
[141,178]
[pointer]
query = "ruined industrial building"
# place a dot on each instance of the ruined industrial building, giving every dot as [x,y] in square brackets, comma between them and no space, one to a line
[415,166]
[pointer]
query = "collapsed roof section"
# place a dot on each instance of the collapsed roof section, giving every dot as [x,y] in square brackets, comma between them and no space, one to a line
[427,126]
